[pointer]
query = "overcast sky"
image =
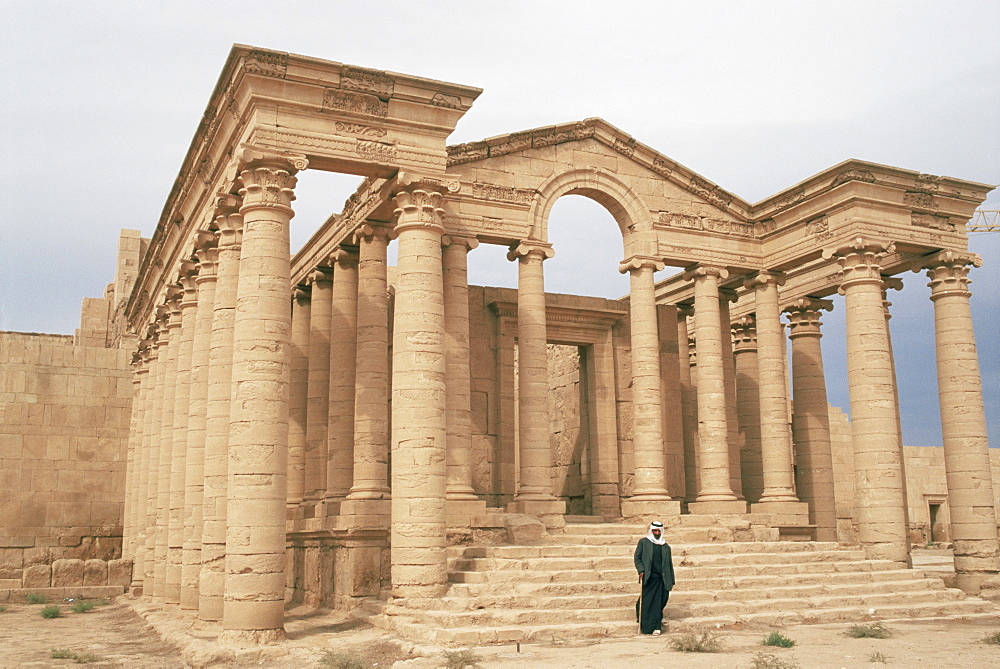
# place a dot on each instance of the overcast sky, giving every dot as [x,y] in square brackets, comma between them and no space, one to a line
[99,101]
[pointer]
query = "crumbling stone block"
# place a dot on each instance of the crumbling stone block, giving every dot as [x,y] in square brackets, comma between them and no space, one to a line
[95,572]
[67,573]
[37,576]
[120,572]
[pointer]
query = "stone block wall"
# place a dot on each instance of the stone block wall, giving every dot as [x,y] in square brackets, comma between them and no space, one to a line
[64,421]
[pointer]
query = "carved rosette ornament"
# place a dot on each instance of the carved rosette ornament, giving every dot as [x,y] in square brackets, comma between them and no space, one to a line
[948,272]
[804,316]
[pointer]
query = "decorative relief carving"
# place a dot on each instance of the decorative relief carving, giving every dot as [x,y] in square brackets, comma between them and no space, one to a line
[377,151]
[518,141]
[854,175]
[360,129]
[919,200]
[691,222]
[465,153]
[790,199]
[266,63]
[625,147]
[928,183]
[932,221]
[367,81]
[485,191]
[662,167]
[448,101]
[550,136]
[685,221]
[765,227]
[819,227]
[471,151]
[329,143]
[361,103]
[709,192]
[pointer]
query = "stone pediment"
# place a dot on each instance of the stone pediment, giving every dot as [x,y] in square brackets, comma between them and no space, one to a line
[542,142]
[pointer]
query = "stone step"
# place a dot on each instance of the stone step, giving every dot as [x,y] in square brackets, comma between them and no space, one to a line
[718,535]
[680,609]
[680,550]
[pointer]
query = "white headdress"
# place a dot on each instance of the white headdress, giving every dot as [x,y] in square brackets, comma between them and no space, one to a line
[658,526]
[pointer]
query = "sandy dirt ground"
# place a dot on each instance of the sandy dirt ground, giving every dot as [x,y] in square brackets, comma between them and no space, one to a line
[121,638]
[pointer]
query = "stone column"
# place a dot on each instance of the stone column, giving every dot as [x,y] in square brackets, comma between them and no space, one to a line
[178,467]
[649,496]
[895,283]
[778,498]
[194,480]
[748,405]
[458,383]
[137,465]
[166,442]
[151,443]
[534,494]
[811,416]
[128,506]
[878,467]
[963,421]
[715,494]
[343,358]
[212,580]
[258,437]
[318,402]
[726,296]
[371,404]
[419,431]
[298,397]
[689,404]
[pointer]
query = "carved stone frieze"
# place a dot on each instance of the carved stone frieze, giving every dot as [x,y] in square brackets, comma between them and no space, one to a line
[919,200]
[322,144]
[662,167]
[691,222]
[927,183]
[266,63]
[361,79]
[466,153]
[486,191]
[472,151]
[447,101]
[765,227]
[519,141]
[709,191]
[378,152]
[790,199]
[360,129]
[932,221]
[854,175]
[625,146]
[359,103]
[550,136]
[819,227]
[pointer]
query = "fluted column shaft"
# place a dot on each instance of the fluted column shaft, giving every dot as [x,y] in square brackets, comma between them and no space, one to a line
[212,579]
[535,451]
[343,358]
[647,402]
[713,435]
[458,380]
[194,479]
[298,394]
[419,431]
[166,445]
[811,416]
[318,399]
[258,437]
[878,466]
[775,436]
[178,467]
[371,394]
[963,421]
[748,405]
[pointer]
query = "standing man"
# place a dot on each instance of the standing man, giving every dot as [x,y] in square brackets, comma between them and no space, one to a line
[656,574]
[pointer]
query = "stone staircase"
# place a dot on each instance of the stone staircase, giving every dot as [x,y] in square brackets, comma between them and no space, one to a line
[582,584]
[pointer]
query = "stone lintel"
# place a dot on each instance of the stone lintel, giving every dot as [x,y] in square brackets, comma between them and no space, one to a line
[648,510]
[720,507]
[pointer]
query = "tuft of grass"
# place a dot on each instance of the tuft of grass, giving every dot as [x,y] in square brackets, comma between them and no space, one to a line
[2,608]
[461,659]
[706,642]
[343,661]
[103,601]
[81,606]
[769,661]
[869,631]
[51,611]
[878,657]
[79,658]
[35,598]
[777,639]
[992,638]
[62,654]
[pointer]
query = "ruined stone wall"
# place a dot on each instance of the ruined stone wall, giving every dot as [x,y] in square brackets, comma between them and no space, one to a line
[64,422]
[569,434]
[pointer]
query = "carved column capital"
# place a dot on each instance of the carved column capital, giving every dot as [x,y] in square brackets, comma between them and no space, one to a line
[301,294]
[530,248]
[228,220]
[685,310]
[804,316]
[744,332]
[695,272]
[208,264]
[268,178]
[948,272]
[764,278]
[188,278]
[344,257]
[173,305]
[453,240]
[728,294]
[418,205]
[860,261]
[372,230]
[637,261]
[320,274]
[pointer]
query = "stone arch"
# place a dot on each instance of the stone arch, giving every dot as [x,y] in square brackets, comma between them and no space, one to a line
[621,201]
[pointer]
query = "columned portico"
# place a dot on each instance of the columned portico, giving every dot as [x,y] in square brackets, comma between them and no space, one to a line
[534,491]
[650,496]
[878,468]
[963,421]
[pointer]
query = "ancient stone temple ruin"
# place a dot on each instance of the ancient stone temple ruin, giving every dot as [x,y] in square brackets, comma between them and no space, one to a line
[321,427]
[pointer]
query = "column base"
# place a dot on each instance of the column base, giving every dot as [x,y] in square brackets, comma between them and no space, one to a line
[462,512]
[721,507]
[783,513]
[649,509]
[366,513]
[972,583]
[551,512]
